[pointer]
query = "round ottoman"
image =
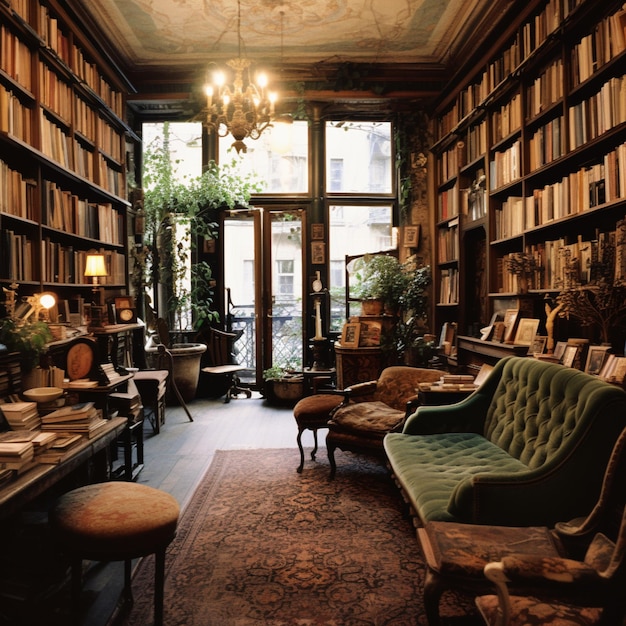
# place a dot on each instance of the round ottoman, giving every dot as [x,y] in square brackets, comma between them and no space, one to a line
[314,412]
[115,521]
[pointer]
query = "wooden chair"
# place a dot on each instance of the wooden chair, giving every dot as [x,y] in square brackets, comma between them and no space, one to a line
[220,350]
[554,572]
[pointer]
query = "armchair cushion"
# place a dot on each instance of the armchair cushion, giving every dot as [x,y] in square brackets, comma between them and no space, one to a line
[374,418]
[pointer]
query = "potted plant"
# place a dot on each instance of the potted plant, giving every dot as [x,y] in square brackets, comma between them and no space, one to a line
[413,323]
[179,214]
[29,339]
[283,385]
[379,277]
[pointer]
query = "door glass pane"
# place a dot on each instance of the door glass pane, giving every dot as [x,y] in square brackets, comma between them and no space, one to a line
[359,157]
[239,263]
[354,230]
[286,267]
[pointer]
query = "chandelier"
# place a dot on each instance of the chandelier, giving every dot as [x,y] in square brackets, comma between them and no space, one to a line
[245,108]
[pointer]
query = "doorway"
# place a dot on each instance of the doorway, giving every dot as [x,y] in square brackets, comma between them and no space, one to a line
[264,265]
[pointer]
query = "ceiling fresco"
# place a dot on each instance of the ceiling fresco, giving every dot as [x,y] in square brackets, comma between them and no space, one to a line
[182,32]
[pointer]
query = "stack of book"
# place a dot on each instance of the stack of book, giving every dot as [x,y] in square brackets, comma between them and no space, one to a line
[79,419]
[17,455]
[21,415]
[61,448]
[128,404]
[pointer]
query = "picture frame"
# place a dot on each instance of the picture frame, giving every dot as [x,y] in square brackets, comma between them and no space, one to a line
[317,232]
[526,331]
[370,333]
[607,369]
[559,349]
[596,357]
[350,335]
[510,323]
[411,236]
[318,252]
[569,355]
[618,374]
[538,345]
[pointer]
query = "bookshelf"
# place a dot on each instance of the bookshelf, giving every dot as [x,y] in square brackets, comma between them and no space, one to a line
[63,141]
[530,157]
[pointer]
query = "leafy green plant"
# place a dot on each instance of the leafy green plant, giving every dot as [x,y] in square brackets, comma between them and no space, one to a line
[178,214]
[28,339]
[379,277]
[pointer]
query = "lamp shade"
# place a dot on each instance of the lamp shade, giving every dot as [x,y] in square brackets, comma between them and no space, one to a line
[95,265]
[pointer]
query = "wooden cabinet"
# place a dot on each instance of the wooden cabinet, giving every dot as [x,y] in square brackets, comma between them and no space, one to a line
[62,145]
[530,159]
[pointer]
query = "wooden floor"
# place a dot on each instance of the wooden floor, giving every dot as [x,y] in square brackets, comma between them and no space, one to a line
[177,458]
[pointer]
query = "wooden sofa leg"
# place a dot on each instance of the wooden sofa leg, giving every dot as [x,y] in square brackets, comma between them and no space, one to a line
[433,589]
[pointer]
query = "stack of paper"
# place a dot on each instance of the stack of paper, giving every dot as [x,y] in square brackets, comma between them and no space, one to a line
[16,455]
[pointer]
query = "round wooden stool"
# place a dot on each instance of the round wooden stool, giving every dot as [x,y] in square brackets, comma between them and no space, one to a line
[313,412]
[115,521]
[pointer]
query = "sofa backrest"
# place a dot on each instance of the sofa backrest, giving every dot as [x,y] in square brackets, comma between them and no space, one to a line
[540,408]
[397,384]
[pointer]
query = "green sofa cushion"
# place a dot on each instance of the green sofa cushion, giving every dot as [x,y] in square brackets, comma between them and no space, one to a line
[445,461]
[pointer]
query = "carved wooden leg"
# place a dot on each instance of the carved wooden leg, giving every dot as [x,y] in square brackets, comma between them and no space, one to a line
[299,440]
[433,589]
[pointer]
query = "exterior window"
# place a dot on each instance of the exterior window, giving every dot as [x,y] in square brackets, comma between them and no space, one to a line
[285,277]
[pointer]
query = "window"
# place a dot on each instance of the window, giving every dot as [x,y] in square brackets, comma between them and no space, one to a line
[359,183]
[280,157]
[285,278]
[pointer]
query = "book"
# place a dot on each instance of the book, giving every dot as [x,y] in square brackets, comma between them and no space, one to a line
[71,413]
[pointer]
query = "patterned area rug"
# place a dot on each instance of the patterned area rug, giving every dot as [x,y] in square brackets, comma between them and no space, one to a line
[262,544]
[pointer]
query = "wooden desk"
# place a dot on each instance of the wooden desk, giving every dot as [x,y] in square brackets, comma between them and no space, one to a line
[473,352]
[25,488]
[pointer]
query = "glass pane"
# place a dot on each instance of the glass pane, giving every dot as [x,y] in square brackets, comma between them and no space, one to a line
[286,263]
[279,157]
[359,157]
[354,230]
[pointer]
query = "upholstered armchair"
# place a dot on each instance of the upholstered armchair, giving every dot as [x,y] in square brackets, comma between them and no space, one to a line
[372,409]
[578,588]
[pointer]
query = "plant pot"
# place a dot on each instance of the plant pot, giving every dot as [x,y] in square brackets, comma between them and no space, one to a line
[372,307]
[186,359]
[286,391]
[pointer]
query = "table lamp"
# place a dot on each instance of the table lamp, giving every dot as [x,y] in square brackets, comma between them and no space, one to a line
[94,268]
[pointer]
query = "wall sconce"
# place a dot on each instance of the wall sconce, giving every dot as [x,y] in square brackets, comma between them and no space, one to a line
[95,267]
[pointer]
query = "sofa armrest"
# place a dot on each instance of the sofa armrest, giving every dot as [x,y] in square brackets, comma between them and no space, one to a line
[468,415]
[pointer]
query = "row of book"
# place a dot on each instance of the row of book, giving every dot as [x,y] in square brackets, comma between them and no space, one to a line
[607,41]
[15,118]
[507,119]
[66,211]
[448,242]
[590,54]
[16,256]
[545,90]
[506,166]
[66,265]
[546,144]
[449,286]
[18,195]
[598,114]
[54,93]
[16,58]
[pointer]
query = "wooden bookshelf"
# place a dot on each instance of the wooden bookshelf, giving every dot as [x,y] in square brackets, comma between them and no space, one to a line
[541,117]
[63,139]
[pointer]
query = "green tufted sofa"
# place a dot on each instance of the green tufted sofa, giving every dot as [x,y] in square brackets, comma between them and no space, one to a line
[529,447]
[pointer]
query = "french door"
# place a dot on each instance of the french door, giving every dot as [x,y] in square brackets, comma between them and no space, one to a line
[263,275]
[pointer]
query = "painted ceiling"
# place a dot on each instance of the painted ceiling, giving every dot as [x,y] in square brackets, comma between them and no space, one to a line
[181,32]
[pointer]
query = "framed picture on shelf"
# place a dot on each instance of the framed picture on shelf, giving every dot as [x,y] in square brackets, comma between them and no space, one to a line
[510,322]
[607,369]
[350,335]
[526,331]
[370,334]
[538,345]
[595,359]
[569,355]
[619,371]
[559,349]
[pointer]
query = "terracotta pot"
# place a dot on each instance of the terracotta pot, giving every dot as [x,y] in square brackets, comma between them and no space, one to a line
[372,307]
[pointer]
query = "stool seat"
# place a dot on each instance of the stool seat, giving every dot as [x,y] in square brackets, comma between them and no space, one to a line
[311,413]
[115,521]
